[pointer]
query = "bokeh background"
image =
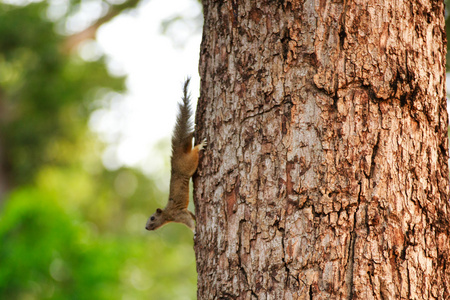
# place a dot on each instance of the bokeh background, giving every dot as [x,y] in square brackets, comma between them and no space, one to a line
[85,130]
[88,93]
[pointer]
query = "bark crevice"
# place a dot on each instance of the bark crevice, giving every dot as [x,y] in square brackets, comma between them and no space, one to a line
[350,264]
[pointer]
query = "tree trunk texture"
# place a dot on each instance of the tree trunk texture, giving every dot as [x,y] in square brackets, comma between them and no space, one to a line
[326,173]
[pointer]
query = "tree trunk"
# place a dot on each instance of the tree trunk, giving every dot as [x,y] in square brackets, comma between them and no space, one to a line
[326,173]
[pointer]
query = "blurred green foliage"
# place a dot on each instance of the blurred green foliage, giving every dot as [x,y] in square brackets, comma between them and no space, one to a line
[45,95]
[69,228]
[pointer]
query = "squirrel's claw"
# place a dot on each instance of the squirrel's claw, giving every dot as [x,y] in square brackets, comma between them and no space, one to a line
[202,145]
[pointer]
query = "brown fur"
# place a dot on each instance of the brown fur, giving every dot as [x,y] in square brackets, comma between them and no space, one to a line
[184,163]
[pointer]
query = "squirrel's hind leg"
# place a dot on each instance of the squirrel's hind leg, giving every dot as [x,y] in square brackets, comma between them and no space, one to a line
[202,145]
[191,159]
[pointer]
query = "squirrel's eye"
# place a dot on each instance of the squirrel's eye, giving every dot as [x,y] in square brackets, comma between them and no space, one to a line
[152,218]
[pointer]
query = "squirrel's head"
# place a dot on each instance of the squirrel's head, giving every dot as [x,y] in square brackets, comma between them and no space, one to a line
[156,220]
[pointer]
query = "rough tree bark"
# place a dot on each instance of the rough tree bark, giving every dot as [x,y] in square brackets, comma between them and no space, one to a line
[326,173]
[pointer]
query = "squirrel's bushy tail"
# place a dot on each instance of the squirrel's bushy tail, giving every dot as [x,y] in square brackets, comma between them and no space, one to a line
[183,127]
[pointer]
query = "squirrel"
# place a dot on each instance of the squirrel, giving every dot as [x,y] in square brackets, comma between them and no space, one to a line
[184,162]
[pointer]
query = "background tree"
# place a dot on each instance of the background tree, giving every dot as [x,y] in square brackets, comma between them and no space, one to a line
[327,168]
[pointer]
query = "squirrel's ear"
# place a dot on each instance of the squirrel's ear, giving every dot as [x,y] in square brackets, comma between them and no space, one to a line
[158,210]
